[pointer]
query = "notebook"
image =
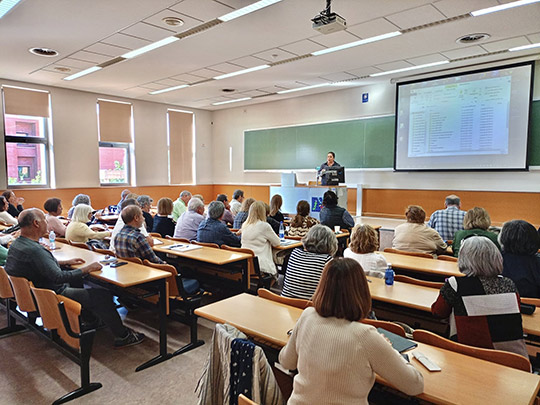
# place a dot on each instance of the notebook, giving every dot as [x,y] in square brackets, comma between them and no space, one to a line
[399,343]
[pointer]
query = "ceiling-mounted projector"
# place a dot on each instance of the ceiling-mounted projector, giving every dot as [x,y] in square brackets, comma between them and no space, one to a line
[327,22]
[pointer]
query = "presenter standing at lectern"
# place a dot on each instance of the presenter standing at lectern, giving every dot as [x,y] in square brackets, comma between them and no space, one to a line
[329,164]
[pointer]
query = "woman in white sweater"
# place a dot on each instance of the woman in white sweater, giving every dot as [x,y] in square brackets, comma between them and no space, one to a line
[337,357]
[258,235]
[78,231]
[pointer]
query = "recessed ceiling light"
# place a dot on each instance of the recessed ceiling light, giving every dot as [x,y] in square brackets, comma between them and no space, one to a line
[227,90]
[49,53]
[62,69]
[471,38]
[173,21]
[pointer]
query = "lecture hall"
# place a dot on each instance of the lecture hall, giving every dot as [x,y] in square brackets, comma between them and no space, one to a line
[270,201]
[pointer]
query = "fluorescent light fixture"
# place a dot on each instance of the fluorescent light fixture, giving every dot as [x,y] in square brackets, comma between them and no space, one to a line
[241,72]
[357,43]
[6,5]
[150,47]
[303,88]
[502,7]
[232,101]
[442,62]
[523,47]
[248,9]
[182,86]
[83,73]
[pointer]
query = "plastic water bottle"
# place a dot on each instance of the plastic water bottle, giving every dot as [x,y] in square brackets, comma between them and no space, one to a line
[281,231]
[52,240]
[389,275]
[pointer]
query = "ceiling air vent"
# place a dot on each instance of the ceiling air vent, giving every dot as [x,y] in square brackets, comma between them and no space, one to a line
[173,21]
[471,38]
[43,52]
[62,69]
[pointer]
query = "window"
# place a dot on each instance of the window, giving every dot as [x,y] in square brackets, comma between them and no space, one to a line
[181,134]
[115,142]
[26,136]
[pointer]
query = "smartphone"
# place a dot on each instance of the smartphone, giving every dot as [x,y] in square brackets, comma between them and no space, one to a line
[118,264]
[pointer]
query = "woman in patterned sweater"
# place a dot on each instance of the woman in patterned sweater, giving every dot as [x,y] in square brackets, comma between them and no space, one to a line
[302,222]
[483,306]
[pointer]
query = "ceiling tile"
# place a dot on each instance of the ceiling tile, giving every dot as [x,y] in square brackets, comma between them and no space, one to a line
[271,89]
[337,38]
[237,3]
[363,71]
[416,16]
[148,32]
[253,93]
[422,60]
[303,47]
[153,86]
[336,77]
[452,8]
[206,73]
[400,64]
[157,20]
[75,63]
[289,84]
[534,38]
[126,41]
[226,67]
[202,10]
[248,62]
[49,77]
[505,44]
[169,82]
[185,77]
[373,28]
[51,68]
[274,55]
[90,57]
[105,49]
[464,52]
[311,81]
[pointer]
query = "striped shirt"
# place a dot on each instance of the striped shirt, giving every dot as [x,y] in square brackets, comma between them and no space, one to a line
[303,273]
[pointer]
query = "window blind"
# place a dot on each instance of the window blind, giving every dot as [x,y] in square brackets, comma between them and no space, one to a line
[114,122]
[26,102]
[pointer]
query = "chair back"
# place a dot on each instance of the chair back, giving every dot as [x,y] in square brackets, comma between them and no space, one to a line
[47,302]
[293,302]
[411,280]
[154,234]
[23,295]
[293,237]
[171,281]
[253,270]
[81,245]
[212,245]
[5,287]
[131,259]
[243,400]
[447,258]
[508,359]
[403,252]
[177,239]
[524,300]
[104,251]
[62,240]
[389,326]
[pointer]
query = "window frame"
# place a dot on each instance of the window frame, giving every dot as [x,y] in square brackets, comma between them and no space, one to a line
[127,147]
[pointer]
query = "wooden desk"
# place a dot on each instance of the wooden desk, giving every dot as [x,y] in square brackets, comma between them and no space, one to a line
[218,259]
[129,275]
[440,268]
[463,379]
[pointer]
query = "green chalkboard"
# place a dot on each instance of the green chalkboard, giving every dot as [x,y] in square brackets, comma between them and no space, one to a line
[360,143]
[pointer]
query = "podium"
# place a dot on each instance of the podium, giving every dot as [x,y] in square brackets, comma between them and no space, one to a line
[292,192]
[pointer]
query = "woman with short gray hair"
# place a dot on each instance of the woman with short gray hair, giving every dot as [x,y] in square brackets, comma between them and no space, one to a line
[306,264]
[476,302]
[79,199]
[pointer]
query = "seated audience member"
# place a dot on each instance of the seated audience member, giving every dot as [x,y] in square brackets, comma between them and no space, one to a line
[120,224]
[212,230]
[450,220]
[15,203]
[306,264]
[163,223]
[189,221]
[258,235]
[145,202]
[302,222]
[242,214]
[521,263]
[333,215]
[130,242]
[199,196]
[415,235]
[78,231]
[338,357]
[123,196]
[275,205]
[28,259]
[180,205]
[5,216]
[476,222]
[483,306]
[273,223]
[79,199]
[236,203]
[53,206]
[364,243]
[228,217]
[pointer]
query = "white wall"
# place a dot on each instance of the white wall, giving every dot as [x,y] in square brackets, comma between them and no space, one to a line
[75,134]
[229,126]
